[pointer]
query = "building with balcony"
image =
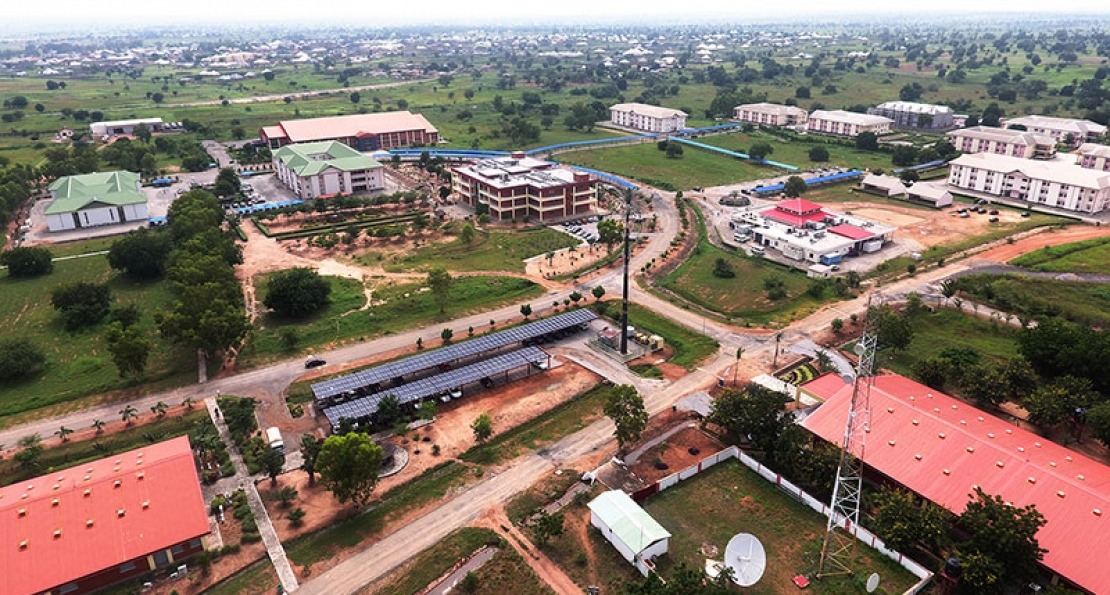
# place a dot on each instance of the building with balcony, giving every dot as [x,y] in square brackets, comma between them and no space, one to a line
[1003,141]
[1049,183]
[519,187]
[770,114]
[844,123]
[1092,156]
[917,116]
[648,118]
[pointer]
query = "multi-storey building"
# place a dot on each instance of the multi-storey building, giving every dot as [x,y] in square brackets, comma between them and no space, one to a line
[364,132]
[770,114]
[519,187]
[328,168]
[1092,156]
[1003,141]
[649,118]
[843,123]
[1068,131]
[1050,183]
[919,116]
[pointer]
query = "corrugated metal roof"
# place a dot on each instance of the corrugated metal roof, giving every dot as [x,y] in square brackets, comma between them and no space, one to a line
[333,127]
[630,523]
[62,526]
[851,232]
[941,447]
[116,188]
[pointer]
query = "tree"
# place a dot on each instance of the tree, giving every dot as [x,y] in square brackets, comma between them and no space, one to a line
[754,413]
[482,427]
[29,459]
[439,280]
[818,154]
[1098,418]
[867,141]
[129,349]
[390,411]
[1002,548]
[98,426]
[227,182]
[908,176]
[795,186]
[355,97]
[674,150]
[27,261]
[625,407]
[141,254]
[467,233]
[19,358]
[82,303]
[598,292]
[446,334]
[128,414]
[903,523]
[297,292]
[426,410]
[895,331]
[546,526]
[310,450]
[760,150]
[63,433]
[349,465]
[272,462]
[1064,398]
[837,325]
[526,311]
[159,409]
[609,232]
[722,269]
[286,495]
[575,297]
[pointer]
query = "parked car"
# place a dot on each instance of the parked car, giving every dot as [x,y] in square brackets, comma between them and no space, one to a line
[313,362]
[1025,213]
[486,382]
[994,212]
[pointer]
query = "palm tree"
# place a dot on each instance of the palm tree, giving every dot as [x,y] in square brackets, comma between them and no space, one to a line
[188,402]
[159,409]
[128,414]
[63,433]
[99,425]
[736,369]
[947,289]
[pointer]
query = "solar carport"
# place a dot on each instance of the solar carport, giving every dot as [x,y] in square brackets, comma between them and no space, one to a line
[376,379]
[433,386]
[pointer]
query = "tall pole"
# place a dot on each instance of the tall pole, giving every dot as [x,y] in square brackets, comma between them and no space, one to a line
[627,267]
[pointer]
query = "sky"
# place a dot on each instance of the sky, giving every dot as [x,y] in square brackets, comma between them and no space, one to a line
[477,11]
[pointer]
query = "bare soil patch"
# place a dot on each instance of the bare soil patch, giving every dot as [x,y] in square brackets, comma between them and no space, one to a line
[676,453]
[1055,237]
[929,227]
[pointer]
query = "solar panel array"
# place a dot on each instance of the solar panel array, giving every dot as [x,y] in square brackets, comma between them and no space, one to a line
[432,386]
[451,353]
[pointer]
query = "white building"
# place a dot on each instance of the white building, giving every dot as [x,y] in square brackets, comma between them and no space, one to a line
[770,114]
[1064,130]
[1003,141]
[328,168]
[807,232]
[122,127]
[843,123]
[91,200]
[907,114]
[649,118]
[638,537]
[888,186]
[1050,183]
[1092,156]
[933,196]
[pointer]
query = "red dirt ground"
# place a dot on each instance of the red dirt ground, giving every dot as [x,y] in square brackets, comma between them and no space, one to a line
[1075,233]
[676,454]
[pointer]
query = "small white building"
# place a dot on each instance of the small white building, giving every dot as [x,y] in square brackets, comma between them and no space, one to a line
[125,127]
[91,200]
[638,537]
[934,196]
[889,186]
[1049,183]
[770,114]
[649,118]
[326,168]
[844,123]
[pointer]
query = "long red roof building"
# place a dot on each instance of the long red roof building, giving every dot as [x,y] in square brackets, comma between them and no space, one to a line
[940,448]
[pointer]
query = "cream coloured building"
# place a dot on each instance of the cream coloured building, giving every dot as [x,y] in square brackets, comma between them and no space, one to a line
[649,118]
[313,170]
[770,114]
[1050,183]
[1003,141]
[1064,130]
[844,123]
[1092,156]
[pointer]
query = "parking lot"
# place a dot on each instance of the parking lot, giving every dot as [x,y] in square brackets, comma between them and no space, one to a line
[584,228]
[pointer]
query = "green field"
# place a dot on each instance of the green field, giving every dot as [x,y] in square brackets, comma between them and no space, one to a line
[690,347]
[934,332]
[256,579]
[796,153]
[1077,301]
[715,505]
[488,251]
[77,362]
[397,307]
[1089,256]
[646,163]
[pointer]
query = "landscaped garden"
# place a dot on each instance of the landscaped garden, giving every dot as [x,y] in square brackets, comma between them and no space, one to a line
[494,250]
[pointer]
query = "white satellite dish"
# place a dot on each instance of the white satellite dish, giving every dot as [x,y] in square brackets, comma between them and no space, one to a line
[747,559]
[873,582]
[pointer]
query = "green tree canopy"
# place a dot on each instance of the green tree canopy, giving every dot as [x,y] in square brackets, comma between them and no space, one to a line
[795,186]
[82,304]
[754,413]
[625,407]
[1002,548]
[19,358]
[440,281]
[348,465]
[141,254]
[27,261]
[129,349]
[482,427]
[227,182]
[297,292]
[609,232]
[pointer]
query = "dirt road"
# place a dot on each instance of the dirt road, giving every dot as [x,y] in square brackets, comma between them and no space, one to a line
[1051,237]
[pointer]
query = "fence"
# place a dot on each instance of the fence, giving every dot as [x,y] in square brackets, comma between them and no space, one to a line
[788,488]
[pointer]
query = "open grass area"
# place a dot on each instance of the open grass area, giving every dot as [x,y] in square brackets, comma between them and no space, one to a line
[646,163]
[82,246]
[543,430]
[715,505]
[418,573]
[1088,256]
[401,306]
[1080,302]
[488,251]
[346,298]
[603,567]
[430,486]
[796,152]
[256,579]
[690,347]
[78,363]
[936,331]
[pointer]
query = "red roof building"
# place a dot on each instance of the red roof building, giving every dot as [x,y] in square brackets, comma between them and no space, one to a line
[363,132]
[80,529]
[940,448]
[851,232]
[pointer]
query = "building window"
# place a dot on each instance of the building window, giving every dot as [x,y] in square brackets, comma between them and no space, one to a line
[177,549]
[67,588]
[161,558]
[126,567]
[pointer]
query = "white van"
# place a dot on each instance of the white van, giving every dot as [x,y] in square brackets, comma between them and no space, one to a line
[758,250]
[273,437]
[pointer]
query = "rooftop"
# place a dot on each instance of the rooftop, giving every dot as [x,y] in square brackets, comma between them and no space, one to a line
[70,523]
[1050,122]
[1056,171]
[115,188]
[310,159]
[1003,135]
[513,171]
[632,524]
[1093,149]
[315,129]
[849,117]
[942,448]
[917,108]
[653,111]
[773,108]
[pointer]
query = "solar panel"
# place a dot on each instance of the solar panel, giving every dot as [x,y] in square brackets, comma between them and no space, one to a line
[462,350]
[431,386]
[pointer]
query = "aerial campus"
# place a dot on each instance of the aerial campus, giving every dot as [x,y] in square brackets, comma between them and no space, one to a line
[693,305]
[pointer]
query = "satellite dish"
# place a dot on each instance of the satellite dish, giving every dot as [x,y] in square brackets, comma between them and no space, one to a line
[873,582]
[744,554]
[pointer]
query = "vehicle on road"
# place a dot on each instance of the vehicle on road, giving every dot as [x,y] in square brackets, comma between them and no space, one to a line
[313,362]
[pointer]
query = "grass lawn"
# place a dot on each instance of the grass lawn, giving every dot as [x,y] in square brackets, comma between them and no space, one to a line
[428,487]
[1088,256]
[690,347]
[488,251]
[82,247]
[543,430]
[346,297]
[609,570]
[78,363]
[256,579]
[648,164]
[933,332]
[397,307]
[728,499]
[1083,303]
[796,152]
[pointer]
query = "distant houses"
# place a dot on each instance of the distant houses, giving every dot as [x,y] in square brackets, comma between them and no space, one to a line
[313,170]
[770,114]
[91,200]
[648,118]
[844,123]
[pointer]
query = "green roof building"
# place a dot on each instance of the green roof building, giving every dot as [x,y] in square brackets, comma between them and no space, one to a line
[90,200]
[637,536]
[324,169]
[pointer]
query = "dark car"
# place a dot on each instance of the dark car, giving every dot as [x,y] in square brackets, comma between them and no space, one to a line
[313,362]
[486,382]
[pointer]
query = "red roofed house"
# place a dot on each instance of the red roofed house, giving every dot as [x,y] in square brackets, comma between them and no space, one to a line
[79,529]
[940,448]
[362,132]
[806,231]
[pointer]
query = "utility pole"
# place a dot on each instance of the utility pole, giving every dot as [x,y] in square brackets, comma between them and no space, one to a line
[627,267]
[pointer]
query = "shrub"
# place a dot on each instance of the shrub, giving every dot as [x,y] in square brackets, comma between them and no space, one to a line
[19,358]
[27,262]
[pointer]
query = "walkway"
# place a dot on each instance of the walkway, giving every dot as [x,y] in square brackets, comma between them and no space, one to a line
[261,518]
[810,348]
[448,584]
[640,450]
